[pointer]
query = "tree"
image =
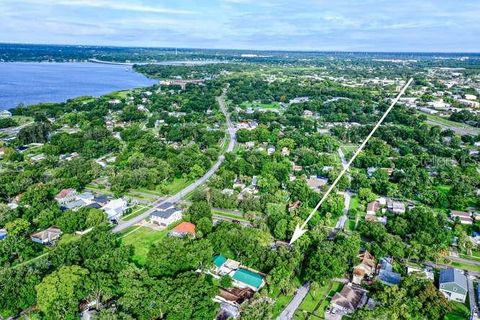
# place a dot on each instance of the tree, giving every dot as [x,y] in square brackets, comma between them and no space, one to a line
[71,221]
[366,195]
[95,217]
[173,255]
[135,283]
[18,289]
[59,293]
[204,225]
[189,296]
[414,298]
[260,308]
[225,281]
[332,259]
[199,210]
[35,133]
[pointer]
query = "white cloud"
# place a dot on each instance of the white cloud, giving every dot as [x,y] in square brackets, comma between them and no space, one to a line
[115,5]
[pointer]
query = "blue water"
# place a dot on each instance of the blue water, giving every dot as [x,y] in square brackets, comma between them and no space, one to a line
[32,83]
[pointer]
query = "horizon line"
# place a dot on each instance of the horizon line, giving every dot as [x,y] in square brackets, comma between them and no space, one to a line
[237,49]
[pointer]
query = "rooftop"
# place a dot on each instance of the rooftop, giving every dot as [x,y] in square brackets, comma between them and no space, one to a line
[185,227]
[453,275]
[165,214]
[219,260]
[248,277]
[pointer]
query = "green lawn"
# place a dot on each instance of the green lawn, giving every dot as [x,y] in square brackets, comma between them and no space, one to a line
[348,149]
[21,120]
[473,257]
[136,211]
[351,225]
[460,312]
[446,121]
[443,188]
[281,300]
[465,266]
[354,202]
[313,297]
[228,215]
[142,238]
[316,302]
[280,304]
[272,105]
[170,188]
[67,238]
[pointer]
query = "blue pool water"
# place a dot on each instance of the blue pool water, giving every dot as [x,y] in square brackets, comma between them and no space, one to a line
[32,83]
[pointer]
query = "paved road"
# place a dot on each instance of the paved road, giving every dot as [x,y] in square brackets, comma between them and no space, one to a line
[463,260]
[289,311]
[216,218]
[177,197]
[342,157]
[15,130]
[463,131]
[471,297]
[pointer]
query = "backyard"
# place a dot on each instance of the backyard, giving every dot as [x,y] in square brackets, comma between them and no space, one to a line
[317,301]
[142,238]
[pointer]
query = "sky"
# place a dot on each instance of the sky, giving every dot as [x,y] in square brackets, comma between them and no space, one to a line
[319,25]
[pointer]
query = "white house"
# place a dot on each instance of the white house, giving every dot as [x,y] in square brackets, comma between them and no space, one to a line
[66,195]
[166,217]
[5,114]
[453,284]
[115,208]
[47,236]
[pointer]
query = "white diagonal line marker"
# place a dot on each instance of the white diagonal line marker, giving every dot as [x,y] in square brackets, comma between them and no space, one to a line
[300,230]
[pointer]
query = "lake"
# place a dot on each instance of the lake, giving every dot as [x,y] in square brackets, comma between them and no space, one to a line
[32,83]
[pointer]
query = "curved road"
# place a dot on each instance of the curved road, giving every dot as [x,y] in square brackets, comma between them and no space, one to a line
[182,193]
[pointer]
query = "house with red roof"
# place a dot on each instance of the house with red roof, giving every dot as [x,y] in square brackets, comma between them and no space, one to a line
[183,229]
[66,195]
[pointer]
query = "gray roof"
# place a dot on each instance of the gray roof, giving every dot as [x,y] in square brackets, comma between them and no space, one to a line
[102,198]
[94,205]
[165,205]
[164,213]
[389,277]
[453,275]
[74,204]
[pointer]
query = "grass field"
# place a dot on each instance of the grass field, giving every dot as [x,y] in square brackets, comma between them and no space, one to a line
[282,300]
[465,266]
[354,202]
[472,257]
[136,211]
[170,188]
[317,301]
[280,304]
[446,121]
[21,120]
[227,215]
[460,312]
[142,238]
[258,105]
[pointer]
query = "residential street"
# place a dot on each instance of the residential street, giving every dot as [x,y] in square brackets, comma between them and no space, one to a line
[471,297]
[289,311]
[177,197]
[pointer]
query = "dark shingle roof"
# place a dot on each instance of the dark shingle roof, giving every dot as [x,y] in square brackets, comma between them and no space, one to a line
[453,275]
[94,205]
[164,213]
[165,205]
